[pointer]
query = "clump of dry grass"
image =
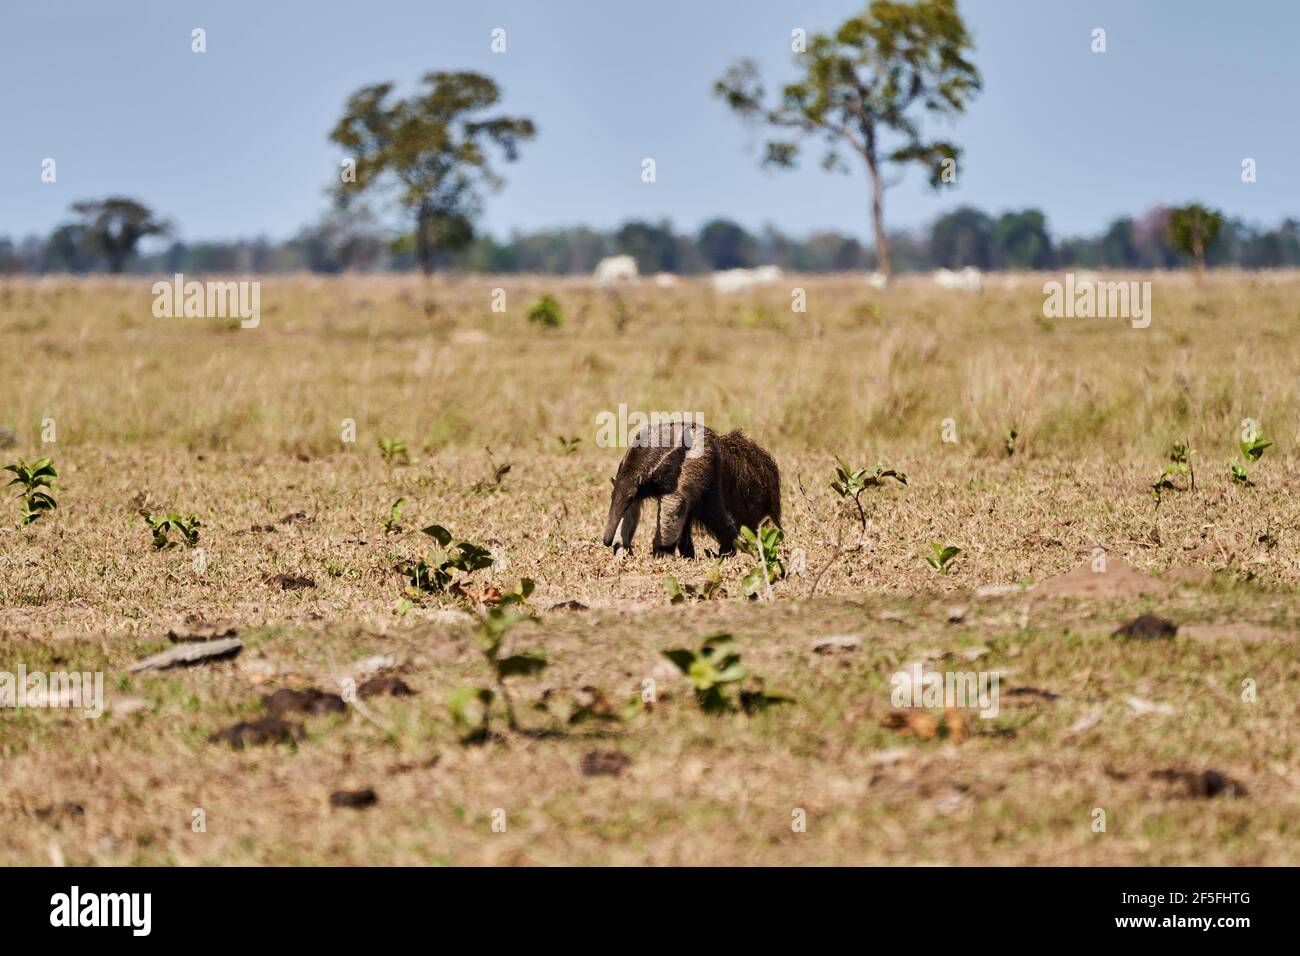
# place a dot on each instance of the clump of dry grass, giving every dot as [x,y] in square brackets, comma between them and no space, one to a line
[861,369]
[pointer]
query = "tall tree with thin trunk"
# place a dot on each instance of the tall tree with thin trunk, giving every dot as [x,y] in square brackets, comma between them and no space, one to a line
[862,91]
[1192,230]
[431,149]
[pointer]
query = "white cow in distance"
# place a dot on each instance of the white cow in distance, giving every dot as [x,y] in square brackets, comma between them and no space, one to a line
[969,279]
[742,280]
[613,269]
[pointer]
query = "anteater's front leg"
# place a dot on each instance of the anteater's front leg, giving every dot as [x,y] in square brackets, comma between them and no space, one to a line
[674,510]
[627,526]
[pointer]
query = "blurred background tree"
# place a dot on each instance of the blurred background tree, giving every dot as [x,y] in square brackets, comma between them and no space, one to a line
[724,244]
[357,239]
[1192,229]
[1021,241]
[112,228]
[963,237]
[653,246]
[433,150]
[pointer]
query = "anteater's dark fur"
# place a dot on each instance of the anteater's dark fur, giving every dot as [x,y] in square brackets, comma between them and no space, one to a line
[715,482]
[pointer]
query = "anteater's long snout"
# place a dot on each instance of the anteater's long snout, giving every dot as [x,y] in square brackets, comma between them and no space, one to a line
[622,523]
[614,522]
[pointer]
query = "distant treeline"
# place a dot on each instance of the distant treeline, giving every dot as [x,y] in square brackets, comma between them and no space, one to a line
[965,237]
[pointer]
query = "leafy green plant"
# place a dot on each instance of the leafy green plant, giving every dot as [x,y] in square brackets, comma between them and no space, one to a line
[517,595]
[941,556]
[390,521]
[393,451]
[546,312]
[568,445]
[851,484]
[494,484]
[471,707]
[1163,484]
[36,484]
[1181,457]
[186,525]
[764,546]
[681,593]
[438,570]
[1180,463]
[1252,451]
[719,678]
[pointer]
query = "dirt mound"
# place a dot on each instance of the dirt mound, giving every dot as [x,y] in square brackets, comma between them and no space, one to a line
[1117,579]
[1191,576]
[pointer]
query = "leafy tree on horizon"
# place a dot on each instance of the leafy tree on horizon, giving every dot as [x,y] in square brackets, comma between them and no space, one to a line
[963,237]
[653,246]
[1023,240]
[1192,229]
[725,244]
[862,86]
[113,227]
[1117,248]
[433,150]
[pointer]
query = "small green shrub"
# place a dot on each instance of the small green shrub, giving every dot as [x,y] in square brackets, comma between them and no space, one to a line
[162,525]
[471,707]
[851,484]
[36,482]
[393,451]
[438,571]
[546,312]
[941,556]
[719,678]
[764,546]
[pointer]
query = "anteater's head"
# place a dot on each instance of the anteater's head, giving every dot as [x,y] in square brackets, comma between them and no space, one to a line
[621,499]
[651,468]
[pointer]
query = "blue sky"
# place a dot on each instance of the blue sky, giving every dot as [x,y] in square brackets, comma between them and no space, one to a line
[233,142]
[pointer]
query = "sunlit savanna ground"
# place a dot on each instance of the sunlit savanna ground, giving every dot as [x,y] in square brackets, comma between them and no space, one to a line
[242,428]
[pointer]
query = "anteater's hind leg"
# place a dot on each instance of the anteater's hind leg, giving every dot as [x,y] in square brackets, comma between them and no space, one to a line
[674,515]
[713,514]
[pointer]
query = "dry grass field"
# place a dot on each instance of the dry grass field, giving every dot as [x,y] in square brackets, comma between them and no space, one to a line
[1186,746]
